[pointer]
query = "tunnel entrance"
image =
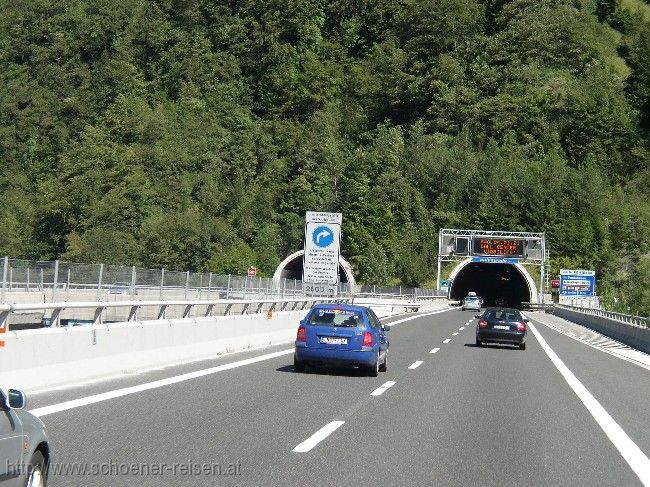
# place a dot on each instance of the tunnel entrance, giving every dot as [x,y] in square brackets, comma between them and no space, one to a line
[291,268]
[498,284]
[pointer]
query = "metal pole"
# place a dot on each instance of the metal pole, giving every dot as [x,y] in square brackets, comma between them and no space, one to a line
[259,288]
[187,282]
[5,264]
[228,288]
[209,285]
[541,273]
[27,279]
[11,279]
[438,274]
[162,282]
[56,280]
[68,285]
[99,282]
[41,283]
[132,281]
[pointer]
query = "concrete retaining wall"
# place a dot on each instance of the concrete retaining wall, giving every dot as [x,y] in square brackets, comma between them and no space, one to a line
[48,357]
[634,336]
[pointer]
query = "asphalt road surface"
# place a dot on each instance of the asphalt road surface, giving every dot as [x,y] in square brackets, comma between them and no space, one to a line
[561,412]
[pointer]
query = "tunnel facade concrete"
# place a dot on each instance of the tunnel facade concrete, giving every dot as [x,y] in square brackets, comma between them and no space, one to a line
[499,284]
[291,268]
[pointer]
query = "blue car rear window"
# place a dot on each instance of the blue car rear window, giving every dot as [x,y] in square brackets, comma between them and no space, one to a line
[336,317]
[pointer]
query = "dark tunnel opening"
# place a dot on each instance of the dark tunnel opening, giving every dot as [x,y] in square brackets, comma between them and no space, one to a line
[497,284]
[293,270]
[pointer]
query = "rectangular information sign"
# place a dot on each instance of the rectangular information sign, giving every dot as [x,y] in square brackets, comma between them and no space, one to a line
[577,282]
[322,248]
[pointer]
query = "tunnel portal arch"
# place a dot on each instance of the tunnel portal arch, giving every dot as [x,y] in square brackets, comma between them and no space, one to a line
[498,283]
[291,268]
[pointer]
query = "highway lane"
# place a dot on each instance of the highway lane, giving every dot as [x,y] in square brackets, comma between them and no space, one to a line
[428,428]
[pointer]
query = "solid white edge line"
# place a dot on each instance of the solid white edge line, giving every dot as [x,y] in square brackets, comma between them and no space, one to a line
[319,436]
[597,347]
[383,388]
[105,396]
[447,340]
[416,364]
[435,350]
[635,458]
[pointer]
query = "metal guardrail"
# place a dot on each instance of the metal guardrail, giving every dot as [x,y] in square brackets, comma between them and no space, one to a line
[188,305]
[548,307]
[639,321]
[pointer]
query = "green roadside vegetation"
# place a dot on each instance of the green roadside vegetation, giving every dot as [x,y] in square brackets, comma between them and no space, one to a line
[194,135]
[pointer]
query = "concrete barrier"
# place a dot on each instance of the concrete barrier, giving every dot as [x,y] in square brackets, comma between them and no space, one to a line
[632,335]
[50,357]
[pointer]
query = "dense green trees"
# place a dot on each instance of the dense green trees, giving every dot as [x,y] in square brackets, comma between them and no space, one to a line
[194,135]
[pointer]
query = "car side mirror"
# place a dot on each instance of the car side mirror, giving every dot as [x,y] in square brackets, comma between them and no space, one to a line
[16,399]
[385,327]
[477,316]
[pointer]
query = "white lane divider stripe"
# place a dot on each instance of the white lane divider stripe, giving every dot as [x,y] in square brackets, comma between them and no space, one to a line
[461,328]
[635,458]
[447,340]
[319,436]
[416,364]
[435,350]
[455,333]
[105,396]
[380,390]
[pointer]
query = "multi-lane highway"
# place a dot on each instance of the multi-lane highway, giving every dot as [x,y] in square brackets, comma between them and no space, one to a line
[562,412]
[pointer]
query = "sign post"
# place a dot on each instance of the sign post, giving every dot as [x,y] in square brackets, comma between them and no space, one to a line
[322,249]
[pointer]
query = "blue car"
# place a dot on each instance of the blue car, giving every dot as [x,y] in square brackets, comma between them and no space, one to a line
[342,335]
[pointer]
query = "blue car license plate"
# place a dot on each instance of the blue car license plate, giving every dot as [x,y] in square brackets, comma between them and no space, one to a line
[334,340]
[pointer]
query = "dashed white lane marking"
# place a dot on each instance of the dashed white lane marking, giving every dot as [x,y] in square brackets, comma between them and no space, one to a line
[461,328]
[416,364]
[380,390]
[635,458]
[447,340]
[435,350]
[454,334]
[105,396]
[319,436]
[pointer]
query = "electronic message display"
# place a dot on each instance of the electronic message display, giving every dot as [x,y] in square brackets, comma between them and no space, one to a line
[507,247]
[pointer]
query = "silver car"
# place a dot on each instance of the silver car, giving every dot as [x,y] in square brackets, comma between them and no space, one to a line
[471,302]
[24,446]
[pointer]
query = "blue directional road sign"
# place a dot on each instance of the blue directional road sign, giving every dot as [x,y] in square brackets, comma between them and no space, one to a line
[496,260]
[322,236]
[577,282]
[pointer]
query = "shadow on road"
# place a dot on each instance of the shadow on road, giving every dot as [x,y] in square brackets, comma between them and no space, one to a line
[493,345]
[331,371]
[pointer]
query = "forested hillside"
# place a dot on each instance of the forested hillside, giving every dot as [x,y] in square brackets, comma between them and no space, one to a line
[195,134]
